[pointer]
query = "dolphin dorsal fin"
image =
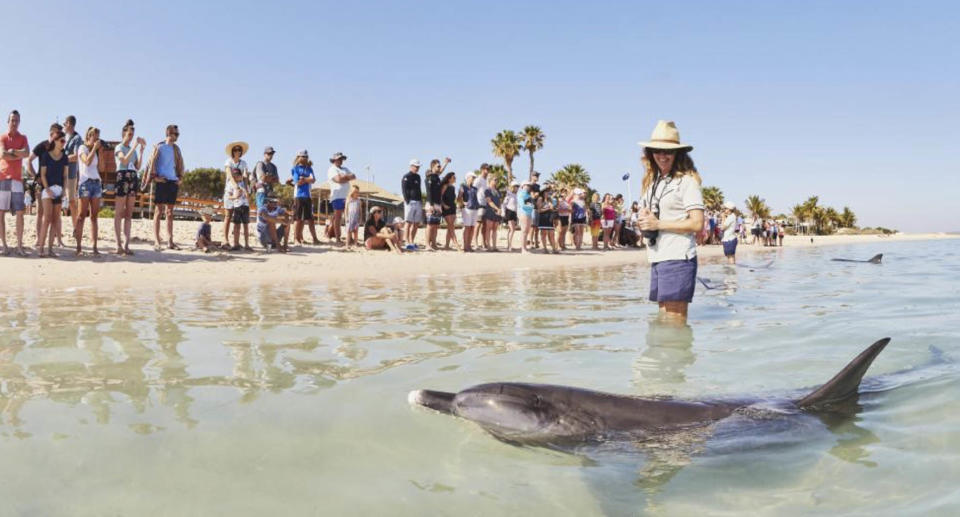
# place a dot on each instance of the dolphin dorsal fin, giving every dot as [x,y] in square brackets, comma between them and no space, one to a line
[876,258]
[846,383]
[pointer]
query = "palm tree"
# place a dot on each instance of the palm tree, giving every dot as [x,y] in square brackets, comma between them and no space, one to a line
[821,220]
[833,217]
[499,174]
[507,145]
[712,198]
[847,218]
[758,207]
[800,215]
[570,176]
[532,142]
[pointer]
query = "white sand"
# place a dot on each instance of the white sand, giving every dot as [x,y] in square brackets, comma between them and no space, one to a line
[308,264]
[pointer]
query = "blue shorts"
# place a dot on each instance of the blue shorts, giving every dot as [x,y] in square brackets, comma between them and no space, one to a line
[90,189]
[261,199]
[673,280]
[338,204]
[730,248]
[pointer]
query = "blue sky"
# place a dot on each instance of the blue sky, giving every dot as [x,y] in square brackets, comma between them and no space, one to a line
[854,101]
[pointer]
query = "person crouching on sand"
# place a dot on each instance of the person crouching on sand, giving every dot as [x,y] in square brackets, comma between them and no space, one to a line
[377,235]
[205,232]
[673,207]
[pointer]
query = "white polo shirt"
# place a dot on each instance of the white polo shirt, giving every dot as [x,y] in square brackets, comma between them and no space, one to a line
[675,197]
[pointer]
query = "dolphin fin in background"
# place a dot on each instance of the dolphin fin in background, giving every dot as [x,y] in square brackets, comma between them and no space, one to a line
[876,258]
[437,400]
[845,384]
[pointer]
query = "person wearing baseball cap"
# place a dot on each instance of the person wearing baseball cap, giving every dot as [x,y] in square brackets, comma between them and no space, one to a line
[303,179]
[468,199]
[671,216]
[410,186]
[729,227]
[266,176]
[273,222]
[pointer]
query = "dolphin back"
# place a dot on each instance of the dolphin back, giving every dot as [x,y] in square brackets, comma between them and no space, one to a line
[845,384]
[876,258]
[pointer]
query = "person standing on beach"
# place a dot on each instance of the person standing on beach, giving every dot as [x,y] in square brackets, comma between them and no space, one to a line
[491,215]
[166,170]
[729,227]
[578,217]
[127,184]
[233,166]
[525,204]
[13,149]
[90,190]
[595,215]
[339,178]
[480,182]
[448,204]
[546,208]
[74,141]
[510,213]
[468,199]
[303,178]
[266,176]
[432,209]
[53,167]
[535,193]
[38,151]
[563,217]
[412,203]
[353,217]
[673,207]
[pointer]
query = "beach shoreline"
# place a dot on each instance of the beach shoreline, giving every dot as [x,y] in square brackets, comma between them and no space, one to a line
[317,265]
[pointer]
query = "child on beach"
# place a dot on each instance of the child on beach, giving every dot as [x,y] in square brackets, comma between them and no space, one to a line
[237,194]
[205,232]
[353,216]
[609,214]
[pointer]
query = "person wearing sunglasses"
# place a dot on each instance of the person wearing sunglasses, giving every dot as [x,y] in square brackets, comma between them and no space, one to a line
[671,216]
[166,171]
[54,165]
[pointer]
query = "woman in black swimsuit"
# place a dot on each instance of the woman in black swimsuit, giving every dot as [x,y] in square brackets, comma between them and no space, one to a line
[448,207]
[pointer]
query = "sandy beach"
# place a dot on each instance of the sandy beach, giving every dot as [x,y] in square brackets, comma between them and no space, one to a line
[310,264]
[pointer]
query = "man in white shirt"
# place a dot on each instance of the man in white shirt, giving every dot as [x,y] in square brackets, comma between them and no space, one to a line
[481,185]
[339,181]
[729,227]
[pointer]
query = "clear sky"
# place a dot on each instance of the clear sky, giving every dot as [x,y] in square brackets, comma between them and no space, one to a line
[854,101]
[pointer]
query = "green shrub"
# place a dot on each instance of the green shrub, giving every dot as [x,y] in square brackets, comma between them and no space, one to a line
[202,183]
[105,213]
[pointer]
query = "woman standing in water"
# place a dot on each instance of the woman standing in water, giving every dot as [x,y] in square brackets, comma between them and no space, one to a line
[127,184]
[671,216]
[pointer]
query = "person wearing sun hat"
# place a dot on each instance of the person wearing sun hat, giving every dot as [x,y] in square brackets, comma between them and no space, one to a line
[729,227]
[338,178]
[671,215]
[233,166]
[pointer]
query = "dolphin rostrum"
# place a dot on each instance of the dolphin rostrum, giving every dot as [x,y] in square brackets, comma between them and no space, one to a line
[562,417]
[873,260]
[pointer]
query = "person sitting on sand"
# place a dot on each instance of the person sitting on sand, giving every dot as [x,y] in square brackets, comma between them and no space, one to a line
[377,235]
[205,232]
[273,223]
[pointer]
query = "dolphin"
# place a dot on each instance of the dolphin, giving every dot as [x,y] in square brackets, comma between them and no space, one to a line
[752,267]
[873,260]
[565,418]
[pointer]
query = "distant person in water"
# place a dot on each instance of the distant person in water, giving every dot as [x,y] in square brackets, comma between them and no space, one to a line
[729,227]
[673,207]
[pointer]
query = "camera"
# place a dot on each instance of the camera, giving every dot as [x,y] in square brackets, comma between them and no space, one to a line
[651,235]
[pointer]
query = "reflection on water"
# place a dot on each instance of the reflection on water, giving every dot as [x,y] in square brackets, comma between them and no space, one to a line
[292,399]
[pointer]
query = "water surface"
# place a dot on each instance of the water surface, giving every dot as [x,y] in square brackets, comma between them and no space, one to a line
[292,401]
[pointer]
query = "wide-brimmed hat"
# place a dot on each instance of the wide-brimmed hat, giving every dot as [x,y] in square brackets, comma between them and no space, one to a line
[665,136]
[375,209]
[242,145]
[337,156]
[729,205]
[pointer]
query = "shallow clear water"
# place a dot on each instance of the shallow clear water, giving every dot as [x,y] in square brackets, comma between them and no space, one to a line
[293,401]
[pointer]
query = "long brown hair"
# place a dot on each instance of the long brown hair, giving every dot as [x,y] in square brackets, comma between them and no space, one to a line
[682,166]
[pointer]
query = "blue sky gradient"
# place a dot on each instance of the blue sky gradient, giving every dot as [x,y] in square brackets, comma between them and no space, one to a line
[854,101]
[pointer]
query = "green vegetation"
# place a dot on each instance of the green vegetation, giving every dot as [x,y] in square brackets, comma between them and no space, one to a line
[105,213]
[532,142]
[758,207]
[571,176]
[203,183]
[712,198]
[507,145]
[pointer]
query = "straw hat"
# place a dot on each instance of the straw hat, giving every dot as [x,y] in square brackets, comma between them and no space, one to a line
[665,136]
[242,145]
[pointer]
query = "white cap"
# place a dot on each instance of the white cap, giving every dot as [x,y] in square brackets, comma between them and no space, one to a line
[302,153]
[578,191]
[514,183]
[414,162]
[397,220]
[471,174]
[729,205]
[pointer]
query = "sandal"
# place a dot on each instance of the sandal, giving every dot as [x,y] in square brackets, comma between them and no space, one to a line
[173,246]
[247,248]
[128,251]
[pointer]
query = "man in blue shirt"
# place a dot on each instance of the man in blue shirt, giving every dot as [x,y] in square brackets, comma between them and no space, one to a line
[166,169]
